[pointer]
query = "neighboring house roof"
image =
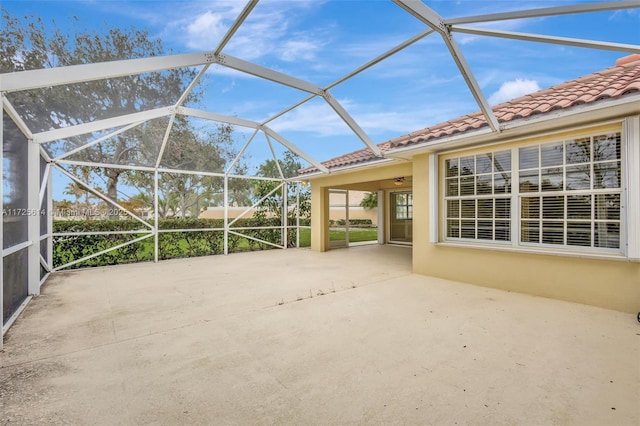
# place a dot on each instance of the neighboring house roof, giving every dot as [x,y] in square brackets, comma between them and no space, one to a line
[611,83]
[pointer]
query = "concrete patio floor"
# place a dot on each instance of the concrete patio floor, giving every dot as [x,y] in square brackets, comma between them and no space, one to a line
[298,337]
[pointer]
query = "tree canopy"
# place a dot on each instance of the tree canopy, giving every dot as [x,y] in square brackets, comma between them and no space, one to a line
[28,43]
[273,203]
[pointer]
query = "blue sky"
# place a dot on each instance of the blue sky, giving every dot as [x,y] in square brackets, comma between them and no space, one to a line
[320,41]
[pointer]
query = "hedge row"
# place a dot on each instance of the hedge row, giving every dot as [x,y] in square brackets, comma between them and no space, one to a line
[352,222]
[69,248]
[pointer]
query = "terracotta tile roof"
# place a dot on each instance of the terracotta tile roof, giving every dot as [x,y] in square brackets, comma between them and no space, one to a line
[610,83]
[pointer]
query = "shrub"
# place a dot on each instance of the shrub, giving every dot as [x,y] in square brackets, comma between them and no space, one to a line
[202,241]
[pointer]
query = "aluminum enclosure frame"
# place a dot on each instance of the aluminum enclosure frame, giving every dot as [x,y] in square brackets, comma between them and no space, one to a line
[41,189]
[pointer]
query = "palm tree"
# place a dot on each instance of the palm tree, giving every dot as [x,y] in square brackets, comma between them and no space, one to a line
[75,190]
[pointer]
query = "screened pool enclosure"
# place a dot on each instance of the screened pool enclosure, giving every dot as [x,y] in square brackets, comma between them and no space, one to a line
[124,161]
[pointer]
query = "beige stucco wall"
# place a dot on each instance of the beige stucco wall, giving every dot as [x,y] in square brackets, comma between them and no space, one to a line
[612,284]
[218,213]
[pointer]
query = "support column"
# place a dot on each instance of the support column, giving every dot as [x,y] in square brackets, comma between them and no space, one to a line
[156,236]
[346,205]
[319,218]
[381,217]
[34,217]
[285,215]
[297,214]
[226,214]
[49,217]
[1,224]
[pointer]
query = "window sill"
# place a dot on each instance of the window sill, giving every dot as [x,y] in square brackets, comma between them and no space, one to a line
[542,251]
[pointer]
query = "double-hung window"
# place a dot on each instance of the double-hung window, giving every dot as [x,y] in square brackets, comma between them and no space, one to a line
[570,192]
[478,196]
[561,194]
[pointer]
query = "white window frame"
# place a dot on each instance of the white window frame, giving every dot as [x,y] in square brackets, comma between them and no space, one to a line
[629,199]
[478,197]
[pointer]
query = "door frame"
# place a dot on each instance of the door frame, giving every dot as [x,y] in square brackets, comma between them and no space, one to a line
[388,215]
[334,244]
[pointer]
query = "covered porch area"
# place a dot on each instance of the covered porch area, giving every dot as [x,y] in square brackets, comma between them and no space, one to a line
[393,189]
[301,337]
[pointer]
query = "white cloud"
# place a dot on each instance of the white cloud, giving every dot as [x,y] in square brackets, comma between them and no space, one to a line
[295,50]
[513,89]
[317,118]
[320,120]
[205,30]
[266,32]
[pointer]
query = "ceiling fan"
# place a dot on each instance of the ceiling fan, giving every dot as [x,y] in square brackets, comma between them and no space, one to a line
[400,180]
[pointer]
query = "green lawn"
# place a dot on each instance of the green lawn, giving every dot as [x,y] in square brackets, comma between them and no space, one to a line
[355,235]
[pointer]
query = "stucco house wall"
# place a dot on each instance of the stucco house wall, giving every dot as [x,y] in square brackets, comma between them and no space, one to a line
[609,278]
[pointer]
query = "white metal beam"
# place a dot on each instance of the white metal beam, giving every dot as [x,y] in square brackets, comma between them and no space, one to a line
[218,117]
[593,44]
[15,116]
[12,319]
[432,19]
[275,157]
[97,141]
[44,184]
[293,148]
[45,154]
[106,165]
[45,265]
[156,217]
[96,126]
[33,79]
[355,72]
[255,239]
[165,139]
[353,125]
[267,74]
[225,248]
[101,195]
[236,25]
[193,84]
[254,205]
[242,150]
[153,169]
[473,85]
[189,172]
[254,178]
[100,253]
[424,14]
[382,57]
[49,215]
[286,110]
[547,11]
